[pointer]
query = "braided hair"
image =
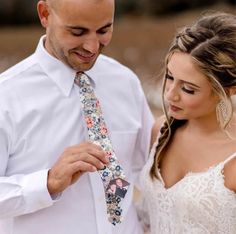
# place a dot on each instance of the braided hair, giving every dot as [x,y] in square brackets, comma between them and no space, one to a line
[211,41]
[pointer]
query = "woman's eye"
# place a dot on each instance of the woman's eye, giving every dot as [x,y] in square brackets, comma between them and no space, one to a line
[188,90]
[169,77]
[184,88]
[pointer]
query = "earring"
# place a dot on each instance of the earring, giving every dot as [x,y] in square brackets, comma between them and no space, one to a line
[222,112]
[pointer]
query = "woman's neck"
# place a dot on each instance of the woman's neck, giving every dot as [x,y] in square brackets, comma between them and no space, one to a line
[210,127]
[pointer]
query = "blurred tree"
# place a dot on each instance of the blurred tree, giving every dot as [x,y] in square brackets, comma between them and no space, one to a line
[18,11]
[162,6]
[126,6]
[169,6]
[24,11]
[6,10]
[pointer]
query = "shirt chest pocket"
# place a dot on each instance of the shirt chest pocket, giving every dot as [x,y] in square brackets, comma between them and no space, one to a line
[124,143]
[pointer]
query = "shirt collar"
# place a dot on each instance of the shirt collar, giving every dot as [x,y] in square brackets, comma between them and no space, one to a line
[61,74]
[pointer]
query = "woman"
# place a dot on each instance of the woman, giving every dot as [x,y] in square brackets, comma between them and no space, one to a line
[189,182]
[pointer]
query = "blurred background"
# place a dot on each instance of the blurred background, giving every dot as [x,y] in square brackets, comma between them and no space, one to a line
[142,33]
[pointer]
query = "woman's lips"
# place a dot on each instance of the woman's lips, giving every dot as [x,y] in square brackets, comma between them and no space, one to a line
[174,108]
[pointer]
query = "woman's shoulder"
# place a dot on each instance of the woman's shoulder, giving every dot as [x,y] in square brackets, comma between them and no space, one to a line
[229,172]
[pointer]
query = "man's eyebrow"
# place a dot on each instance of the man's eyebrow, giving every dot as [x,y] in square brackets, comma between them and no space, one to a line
[86,29]
[76,28]
[106,26]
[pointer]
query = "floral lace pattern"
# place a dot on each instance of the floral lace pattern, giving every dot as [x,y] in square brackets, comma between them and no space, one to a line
[198,204]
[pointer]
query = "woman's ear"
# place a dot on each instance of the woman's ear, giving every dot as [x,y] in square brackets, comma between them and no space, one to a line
[43,12]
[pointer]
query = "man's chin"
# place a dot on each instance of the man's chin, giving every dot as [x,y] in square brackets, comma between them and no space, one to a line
[83,67]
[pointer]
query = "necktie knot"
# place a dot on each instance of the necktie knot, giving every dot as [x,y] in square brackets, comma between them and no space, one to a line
[82,79]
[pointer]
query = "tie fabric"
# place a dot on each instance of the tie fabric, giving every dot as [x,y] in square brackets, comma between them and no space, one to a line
[113,177]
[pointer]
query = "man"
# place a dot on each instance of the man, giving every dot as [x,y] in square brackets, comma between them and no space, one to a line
[121,187]
[49,181]
[118,187]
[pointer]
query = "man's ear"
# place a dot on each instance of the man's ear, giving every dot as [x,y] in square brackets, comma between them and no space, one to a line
[43,12]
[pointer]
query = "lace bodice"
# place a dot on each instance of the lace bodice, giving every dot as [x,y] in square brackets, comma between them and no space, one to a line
[197,204]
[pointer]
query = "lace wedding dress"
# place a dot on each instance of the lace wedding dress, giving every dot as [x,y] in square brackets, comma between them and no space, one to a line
[198,204]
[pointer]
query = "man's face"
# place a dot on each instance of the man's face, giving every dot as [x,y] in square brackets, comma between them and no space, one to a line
[77,30]
[119,183]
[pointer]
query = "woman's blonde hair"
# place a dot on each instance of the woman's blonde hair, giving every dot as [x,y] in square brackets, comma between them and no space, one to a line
[211,41]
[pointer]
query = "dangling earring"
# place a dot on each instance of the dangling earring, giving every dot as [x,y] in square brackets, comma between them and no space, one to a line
[222,112]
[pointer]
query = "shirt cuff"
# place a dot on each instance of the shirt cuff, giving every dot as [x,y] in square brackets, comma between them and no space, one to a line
[35,192]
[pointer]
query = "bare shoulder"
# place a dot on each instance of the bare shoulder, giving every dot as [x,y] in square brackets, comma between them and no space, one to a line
[156,128]
[230,166]
[230,174]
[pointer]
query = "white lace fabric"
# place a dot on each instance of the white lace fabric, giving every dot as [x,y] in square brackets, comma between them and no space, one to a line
[197,204]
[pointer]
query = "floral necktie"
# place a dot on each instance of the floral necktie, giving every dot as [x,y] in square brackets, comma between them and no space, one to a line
[113,177]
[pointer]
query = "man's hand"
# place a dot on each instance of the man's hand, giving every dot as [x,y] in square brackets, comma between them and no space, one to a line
[75,160]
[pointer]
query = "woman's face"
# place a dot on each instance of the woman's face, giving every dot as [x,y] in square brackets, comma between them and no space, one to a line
[188,93]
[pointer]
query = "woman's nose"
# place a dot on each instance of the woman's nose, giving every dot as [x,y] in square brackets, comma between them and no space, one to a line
[172,93]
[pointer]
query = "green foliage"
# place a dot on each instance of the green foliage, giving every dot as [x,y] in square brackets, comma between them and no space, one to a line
[24,11]
[126,6]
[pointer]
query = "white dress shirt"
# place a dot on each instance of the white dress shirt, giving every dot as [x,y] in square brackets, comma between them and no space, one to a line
[40,115]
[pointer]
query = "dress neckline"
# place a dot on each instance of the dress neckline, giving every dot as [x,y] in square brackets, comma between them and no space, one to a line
[190,173]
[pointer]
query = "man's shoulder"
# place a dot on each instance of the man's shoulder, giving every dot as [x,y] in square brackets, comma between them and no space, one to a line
[114,66]
[17,69]
[107,59]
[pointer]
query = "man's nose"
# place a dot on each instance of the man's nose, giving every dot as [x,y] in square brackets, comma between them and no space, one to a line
[92,45]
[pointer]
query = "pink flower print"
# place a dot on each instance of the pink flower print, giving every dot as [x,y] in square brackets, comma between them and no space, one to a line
[89,121]
[97,103]
[103,130]
[109,154]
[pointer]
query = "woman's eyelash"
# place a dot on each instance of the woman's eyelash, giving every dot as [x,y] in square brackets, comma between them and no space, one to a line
[189,91]
[169,77]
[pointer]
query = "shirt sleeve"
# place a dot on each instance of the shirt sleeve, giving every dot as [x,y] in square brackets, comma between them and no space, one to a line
[21,193]
[143,214]
[142,147]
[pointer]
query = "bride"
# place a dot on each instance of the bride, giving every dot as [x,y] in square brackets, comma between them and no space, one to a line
[189,181]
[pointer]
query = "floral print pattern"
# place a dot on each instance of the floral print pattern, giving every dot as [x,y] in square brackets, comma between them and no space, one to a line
[98,133]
